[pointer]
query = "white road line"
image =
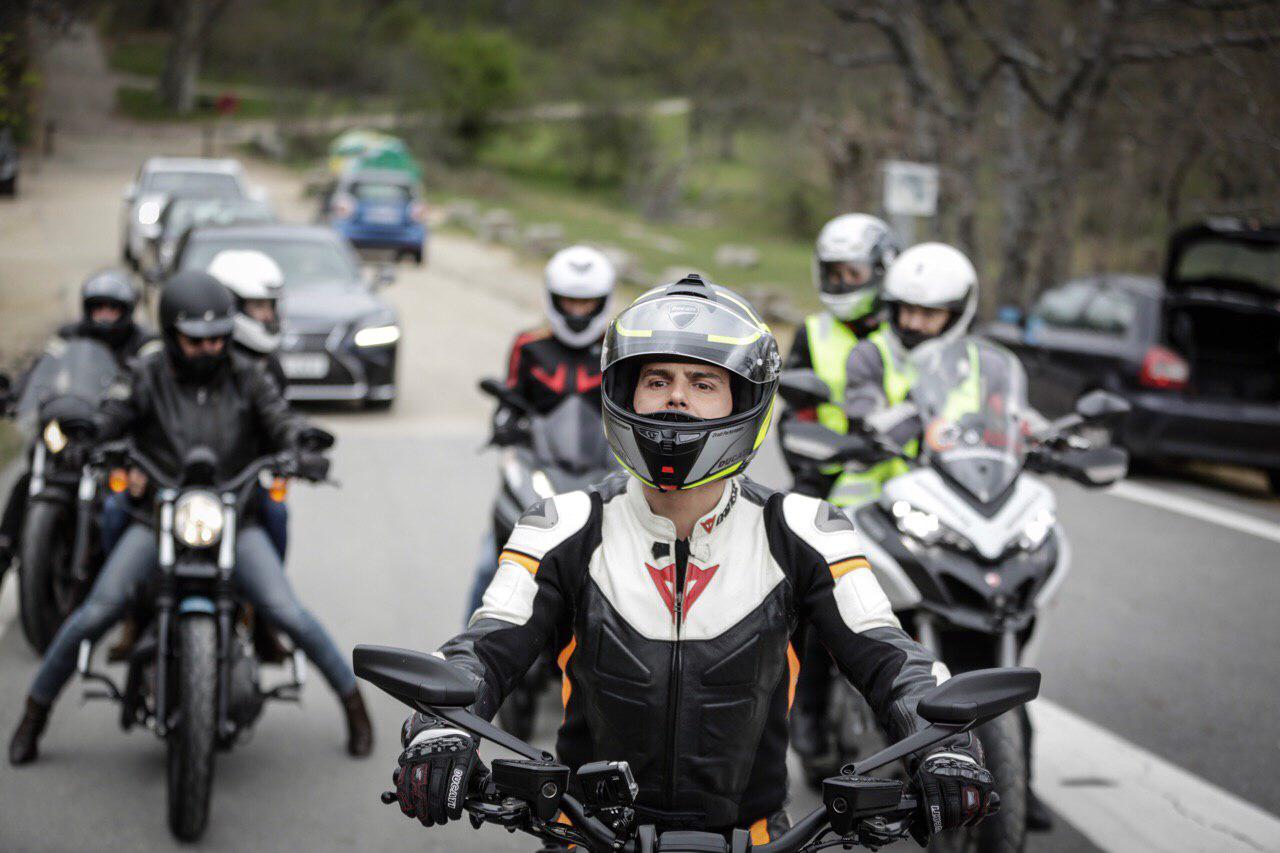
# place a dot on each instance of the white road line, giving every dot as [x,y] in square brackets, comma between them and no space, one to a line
[1124,798]
[1193,508]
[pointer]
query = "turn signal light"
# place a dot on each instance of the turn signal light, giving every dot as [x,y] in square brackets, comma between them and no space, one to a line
[279,489]
[118,480]
[1165,369]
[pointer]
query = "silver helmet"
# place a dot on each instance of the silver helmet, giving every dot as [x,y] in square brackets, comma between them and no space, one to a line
[690,320]
[850,257]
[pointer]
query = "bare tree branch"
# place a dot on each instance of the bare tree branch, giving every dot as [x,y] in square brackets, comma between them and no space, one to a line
[1135,52]
[853,60]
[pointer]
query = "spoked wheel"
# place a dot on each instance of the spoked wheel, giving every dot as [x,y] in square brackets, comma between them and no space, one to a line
[47,595]
[1006,758]
[192,741]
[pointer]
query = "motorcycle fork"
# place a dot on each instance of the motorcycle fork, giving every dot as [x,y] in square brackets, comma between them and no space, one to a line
[164,611]
[225,605]
[84,520]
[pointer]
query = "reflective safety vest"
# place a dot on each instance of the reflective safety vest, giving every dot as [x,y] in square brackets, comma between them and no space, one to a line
[830,343]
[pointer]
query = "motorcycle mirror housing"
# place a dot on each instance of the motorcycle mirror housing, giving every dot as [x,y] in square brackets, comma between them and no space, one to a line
[1101,404]
[1096,466]
[802,389]
[974,697]
[414,678]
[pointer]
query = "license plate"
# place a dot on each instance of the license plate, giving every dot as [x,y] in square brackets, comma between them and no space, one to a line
[304,365]
[383,215]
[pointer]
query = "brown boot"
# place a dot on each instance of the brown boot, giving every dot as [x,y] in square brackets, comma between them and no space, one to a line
[23,747]
[124,646]
[359,729]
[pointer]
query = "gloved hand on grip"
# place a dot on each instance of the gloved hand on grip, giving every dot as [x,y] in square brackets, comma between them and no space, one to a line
[955,791]
[436,770]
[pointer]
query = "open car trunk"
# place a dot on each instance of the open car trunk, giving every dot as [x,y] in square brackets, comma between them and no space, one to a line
[1222,309]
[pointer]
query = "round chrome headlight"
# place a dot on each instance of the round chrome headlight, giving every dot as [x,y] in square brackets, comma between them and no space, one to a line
[197,519]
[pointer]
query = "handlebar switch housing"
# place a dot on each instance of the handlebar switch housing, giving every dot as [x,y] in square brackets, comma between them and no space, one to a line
[539,783]
[849,799]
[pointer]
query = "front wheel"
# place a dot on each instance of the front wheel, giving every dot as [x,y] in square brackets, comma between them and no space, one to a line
[191,743]
[1273,479]
[1006,831]
[44,571]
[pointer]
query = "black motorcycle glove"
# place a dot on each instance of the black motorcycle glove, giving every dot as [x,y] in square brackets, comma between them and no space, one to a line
[955,791]
[437,769]
[313,438]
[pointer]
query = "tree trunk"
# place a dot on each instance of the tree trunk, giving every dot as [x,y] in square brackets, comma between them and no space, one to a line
[191,19]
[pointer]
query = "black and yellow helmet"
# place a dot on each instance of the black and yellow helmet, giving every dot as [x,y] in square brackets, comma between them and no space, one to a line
[690,320]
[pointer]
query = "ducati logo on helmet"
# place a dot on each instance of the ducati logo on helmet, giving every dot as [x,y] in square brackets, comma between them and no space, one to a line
[682,314]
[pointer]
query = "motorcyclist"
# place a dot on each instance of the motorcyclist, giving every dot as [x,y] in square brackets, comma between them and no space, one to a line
[850,257]
[554,361]
[673,591]
[107,301]
[196,392]
[931,293]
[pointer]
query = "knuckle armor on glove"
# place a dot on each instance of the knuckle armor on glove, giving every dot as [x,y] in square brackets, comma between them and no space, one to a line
[956,791]
[435,770]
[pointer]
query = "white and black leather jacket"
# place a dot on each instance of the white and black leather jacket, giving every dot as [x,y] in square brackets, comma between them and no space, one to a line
[677,654]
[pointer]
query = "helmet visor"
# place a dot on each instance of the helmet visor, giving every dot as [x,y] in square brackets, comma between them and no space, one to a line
[694,328]
[841,277]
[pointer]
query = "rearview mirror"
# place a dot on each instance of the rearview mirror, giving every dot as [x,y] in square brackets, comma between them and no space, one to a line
[414,678]
[980,695]
[1100,404]
[802,389]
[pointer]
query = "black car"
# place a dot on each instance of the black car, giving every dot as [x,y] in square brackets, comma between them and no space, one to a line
[1196,353]
[340,339]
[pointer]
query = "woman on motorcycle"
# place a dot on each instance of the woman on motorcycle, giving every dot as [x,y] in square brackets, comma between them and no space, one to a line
[194,393]
[675,590]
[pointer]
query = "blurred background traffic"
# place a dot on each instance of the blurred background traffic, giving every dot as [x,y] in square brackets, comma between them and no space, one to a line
[1110,168]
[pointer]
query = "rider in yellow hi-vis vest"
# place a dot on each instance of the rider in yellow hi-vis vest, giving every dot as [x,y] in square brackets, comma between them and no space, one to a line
[850,257]
[930,292]
[849,260]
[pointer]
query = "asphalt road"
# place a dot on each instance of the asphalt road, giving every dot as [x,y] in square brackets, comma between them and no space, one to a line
[1165,634]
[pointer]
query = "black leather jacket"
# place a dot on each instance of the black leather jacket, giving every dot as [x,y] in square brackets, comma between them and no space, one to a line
[677,653]
[239,414]
[126,348]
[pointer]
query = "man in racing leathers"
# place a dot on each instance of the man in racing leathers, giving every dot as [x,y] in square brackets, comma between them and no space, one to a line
[552,362]
[673,592]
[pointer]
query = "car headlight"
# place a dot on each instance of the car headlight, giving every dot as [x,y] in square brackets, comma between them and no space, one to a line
[1037,530]
[54,438]
[149,213]
[377,336]
[197,519]
[541,484]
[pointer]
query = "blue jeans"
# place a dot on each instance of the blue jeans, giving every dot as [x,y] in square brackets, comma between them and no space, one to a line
[274,516]
[259,577]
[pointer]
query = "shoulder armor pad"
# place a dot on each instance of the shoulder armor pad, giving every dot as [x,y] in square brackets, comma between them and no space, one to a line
[545,525]
[821,525]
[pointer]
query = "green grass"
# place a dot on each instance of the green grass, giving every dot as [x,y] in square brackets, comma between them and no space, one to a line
[144,105]
[138,54]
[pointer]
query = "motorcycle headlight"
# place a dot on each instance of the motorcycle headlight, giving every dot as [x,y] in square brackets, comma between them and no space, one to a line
[54,438]
[197,519]
[1037,530]
[377,336]
[541,484]
[926,528]
[149,213]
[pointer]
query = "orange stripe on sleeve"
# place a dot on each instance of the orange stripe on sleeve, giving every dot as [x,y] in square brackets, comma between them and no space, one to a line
[793,674]
[520,559]
[842,568]
[566,688]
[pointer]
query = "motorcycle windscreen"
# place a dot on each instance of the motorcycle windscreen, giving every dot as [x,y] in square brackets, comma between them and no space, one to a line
[79,367]
[972,398]
[571,437]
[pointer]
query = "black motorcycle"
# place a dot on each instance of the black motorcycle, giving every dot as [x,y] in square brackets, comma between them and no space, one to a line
[193,675]
[561,451]
[527,794]
[58,550]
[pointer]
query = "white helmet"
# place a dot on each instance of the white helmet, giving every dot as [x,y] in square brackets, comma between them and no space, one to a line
[866,244]
[250,274]
[579,272]
[931,275]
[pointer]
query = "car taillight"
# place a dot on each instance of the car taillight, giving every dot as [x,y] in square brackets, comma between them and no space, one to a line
[1164,368]
[418,212]
[343,206]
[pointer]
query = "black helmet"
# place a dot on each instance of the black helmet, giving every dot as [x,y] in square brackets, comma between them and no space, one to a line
[690,320]
[195,304]
[108,287]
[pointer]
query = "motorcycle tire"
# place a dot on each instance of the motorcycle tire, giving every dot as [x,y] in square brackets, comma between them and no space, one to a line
[43,565]
[192,741]
[519,710]
[1006,758]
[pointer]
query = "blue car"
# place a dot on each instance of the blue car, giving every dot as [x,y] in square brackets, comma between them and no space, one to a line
[378,209]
